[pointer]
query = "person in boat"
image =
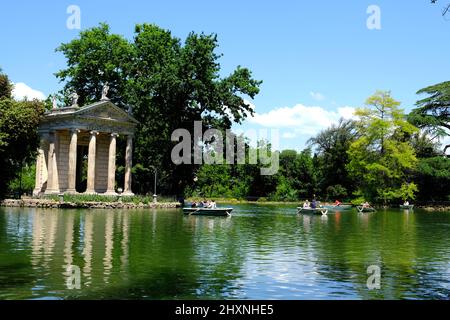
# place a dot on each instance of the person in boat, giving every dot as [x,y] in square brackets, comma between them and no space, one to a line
[366,205]
[212,205]
[306,205]
[406,203]
[194,204]
[314,202]
[337,203]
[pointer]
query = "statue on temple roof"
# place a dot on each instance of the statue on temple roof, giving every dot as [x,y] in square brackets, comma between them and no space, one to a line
[105,91]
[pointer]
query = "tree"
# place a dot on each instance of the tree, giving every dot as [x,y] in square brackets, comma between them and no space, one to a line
[433,112]
[381,159]
[169,84]
[332,145]
[5,86]
[296,178]
[433,178]
[19,121]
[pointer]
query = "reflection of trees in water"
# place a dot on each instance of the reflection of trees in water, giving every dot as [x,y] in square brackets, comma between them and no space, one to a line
[163,254]
[219,254]
[388,239]
[15,278]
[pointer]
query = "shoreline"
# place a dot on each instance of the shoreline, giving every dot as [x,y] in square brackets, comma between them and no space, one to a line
[54,204]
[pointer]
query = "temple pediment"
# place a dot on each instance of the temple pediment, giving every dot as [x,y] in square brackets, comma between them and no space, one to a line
[105,110]
[102,116]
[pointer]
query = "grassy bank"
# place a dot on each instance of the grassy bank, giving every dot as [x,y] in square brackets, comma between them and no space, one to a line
[82,198]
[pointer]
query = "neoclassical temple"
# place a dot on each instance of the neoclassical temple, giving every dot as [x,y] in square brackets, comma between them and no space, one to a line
[73,135]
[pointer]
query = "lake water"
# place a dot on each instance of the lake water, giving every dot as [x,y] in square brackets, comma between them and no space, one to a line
[261,252]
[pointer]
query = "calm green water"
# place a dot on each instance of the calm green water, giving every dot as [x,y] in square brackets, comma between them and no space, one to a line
[261,252]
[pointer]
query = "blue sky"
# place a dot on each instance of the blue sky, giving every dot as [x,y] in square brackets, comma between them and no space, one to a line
[318,60]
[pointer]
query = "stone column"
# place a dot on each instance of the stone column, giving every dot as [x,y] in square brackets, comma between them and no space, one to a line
[128,165]
[72,174]
[52,180]
[40,163]
[112,165]
[91,162]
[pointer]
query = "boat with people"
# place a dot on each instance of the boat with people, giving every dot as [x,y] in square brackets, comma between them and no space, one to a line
[365,209]
[407,206]
[319,210]
[340,207]
[208,211]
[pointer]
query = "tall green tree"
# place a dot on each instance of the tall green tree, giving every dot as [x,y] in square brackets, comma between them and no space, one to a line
[382,158]
[170,85]
[331,146]
[433,178]
[433,112]
[19,121]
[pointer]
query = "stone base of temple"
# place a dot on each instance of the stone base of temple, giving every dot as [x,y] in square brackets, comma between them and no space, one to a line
[46,203]
[109,193]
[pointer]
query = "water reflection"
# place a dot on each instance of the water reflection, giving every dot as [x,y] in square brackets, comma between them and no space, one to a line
[87,248]
[261,252]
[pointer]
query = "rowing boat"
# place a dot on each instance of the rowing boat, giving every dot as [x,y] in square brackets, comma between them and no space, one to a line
[365,209]
[208,211]
[341,207]
[407,207]
[312,210]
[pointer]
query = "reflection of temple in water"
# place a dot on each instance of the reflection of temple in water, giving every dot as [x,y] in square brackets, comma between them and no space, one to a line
[86,240]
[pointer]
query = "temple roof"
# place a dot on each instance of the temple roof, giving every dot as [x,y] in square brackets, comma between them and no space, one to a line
[101,116]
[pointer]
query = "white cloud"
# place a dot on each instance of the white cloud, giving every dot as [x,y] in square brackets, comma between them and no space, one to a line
[305,120]
[288,135]
[21,90]
[317,96]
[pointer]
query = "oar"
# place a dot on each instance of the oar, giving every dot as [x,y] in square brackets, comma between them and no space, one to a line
[194,211]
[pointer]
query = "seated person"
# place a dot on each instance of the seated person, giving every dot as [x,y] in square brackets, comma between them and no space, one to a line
[212,204]
[314,204]
[194,204]
[366,205]
[306,205]
[337,203]
[406,203]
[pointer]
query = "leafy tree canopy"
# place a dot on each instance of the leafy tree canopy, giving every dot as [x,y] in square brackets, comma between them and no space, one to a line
[433,112]
[19,121]
[382,157]
[170,85]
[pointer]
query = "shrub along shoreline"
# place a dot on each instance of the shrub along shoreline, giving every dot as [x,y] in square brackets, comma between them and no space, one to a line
[92,202]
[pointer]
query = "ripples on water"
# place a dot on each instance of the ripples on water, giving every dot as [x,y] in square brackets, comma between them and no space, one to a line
[261,252]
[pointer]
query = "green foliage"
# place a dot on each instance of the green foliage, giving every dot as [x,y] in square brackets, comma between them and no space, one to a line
[24,180]
[433,178]
[170,85]
[408,191]
[424,146]
[332,145]
[433,112]
[19,121]
[81,198]
[382,158]
[5,86]
[336,192]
